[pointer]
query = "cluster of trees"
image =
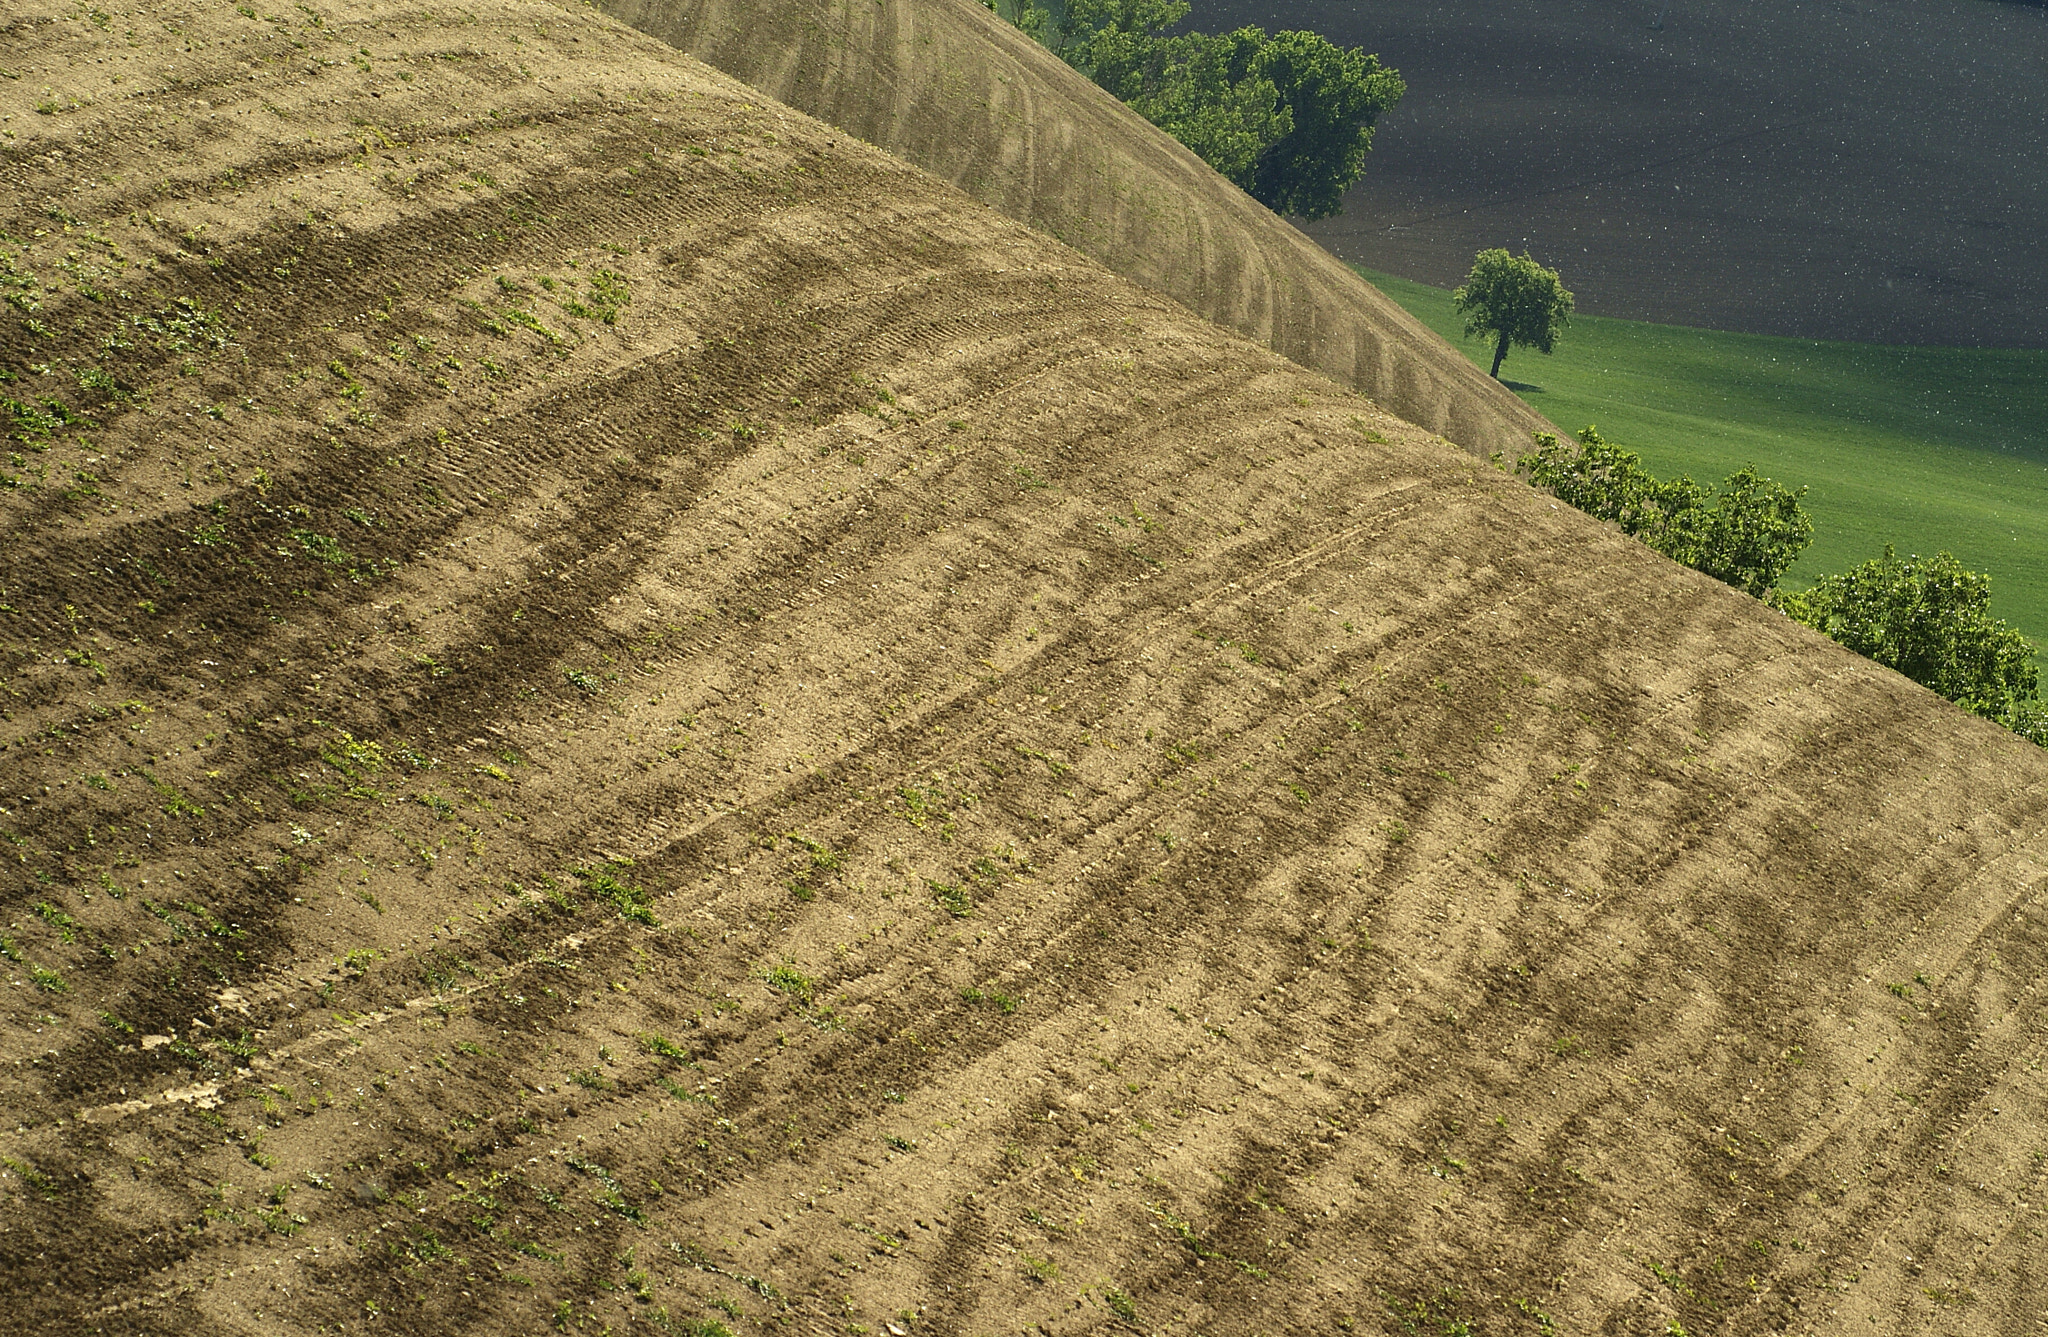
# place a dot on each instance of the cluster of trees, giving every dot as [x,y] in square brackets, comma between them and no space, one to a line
[1930,619]
[1927,617]
[1747,534]
[1288,117]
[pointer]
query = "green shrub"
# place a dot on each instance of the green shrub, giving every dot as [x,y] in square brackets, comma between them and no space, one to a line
[1930,619]
[1746,535]
[1748,538]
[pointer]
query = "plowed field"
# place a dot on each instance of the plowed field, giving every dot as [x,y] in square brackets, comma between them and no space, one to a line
[626,714]
[947,85]
[1871,171]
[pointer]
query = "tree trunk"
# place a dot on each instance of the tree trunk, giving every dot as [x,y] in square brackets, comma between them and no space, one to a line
[1500,352]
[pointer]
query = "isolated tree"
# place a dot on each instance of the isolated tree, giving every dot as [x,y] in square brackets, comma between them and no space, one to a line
[1930,618]
[1512,299]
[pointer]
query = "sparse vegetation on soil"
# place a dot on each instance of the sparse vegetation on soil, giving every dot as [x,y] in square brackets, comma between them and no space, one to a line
[1268,870]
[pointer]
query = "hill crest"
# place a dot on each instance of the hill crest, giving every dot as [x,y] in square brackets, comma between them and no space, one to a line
[951,87]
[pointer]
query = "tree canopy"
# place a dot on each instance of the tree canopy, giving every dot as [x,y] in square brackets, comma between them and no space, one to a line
[1197,88]
[1930,618]
[1512,299]
[1287,117]
[1336,95]
[1747,534]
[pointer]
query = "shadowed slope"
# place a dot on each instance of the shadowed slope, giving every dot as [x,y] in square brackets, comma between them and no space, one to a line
[618,705]
[959,92]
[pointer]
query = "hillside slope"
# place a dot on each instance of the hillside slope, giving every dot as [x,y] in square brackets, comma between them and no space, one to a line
[949,86]
[623,713]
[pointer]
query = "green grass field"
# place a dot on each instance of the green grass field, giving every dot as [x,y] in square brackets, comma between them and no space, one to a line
[1923,448]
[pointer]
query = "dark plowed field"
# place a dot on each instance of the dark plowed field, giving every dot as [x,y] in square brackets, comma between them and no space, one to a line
[1874,170]
[624,715]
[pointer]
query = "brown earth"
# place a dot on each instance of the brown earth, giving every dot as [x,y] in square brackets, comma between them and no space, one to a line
[624,713]
[949,86]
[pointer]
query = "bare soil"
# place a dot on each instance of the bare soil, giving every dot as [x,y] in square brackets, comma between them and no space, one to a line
[627,714]
[1872,171]
[949,86]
